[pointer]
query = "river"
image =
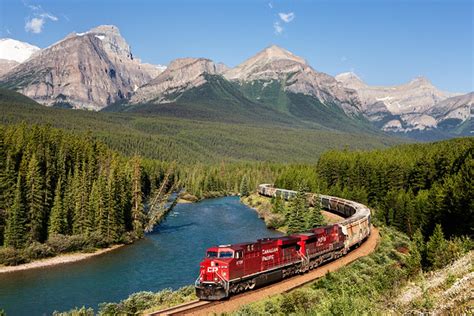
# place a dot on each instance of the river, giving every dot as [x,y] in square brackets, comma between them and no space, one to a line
[166,258]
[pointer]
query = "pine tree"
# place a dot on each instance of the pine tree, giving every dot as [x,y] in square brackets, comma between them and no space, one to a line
[244,186]
[315,217]
[79,200]
[419,242]
[69,203]
[97,205]
[15,232]
[58,217]
[278,205]
[298,209]
[138,215]
[34,201]
[436,249]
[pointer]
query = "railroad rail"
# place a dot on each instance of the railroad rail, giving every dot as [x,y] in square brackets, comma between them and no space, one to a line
[181,308]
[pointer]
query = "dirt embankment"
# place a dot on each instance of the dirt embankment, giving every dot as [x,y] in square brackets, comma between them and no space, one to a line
[449,291]
[236,302]
[60,259]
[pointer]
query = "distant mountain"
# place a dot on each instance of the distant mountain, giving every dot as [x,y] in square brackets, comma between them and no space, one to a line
[273,85]
[85,71]
[96,70]
[181,75]
[416,106]
[13,52]
[11,49]
[293,75]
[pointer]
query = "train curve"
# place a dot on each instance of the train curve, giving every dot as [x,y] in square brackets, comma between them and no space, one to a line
[357,216]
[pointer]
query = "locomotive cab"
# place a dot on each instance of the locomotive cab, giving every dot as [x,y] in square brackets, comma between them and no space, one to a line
[213,280]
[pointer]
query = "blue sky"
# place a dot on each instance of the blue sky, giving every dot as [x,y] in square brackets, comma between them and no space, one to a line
[384,42]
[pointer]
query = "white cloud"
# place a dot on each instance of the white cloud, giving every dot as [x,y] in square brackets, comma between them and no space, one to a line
[278,28]
[48,16]
[270,5]
[287,17]
[36,23]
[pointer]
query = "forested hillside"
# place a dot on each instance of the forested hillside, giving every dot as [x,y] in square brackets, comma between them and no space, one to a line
[60,192]
[192,140]
[410,186]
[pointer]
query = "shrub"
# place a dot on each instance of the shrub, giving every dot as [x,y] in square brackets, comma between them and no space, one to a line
[37,250]
[298,300]
[96,240]
[62,243]
[83,311]
[275,221]
[11,257]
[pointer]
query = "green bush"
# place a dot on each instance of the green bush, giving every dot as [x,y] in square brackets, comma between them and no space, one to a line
[11,257]
[62,243]
[83,311]
[275,221]
[298,301]
[37,250]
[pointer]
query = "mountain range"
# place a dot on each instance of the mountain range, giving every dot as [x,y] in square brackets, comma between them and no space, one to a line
[96,70]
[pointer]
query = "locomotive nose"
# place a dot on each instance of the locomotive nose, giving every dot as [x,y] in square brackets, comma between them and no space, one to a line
[209,271]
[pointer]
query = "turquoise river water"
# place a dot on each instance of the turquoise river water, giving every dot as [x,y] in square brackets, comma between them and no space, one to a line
[167,258]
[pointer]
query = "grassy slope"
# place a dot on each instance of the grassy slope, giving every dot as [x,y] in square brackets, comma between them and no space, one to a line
[191,140]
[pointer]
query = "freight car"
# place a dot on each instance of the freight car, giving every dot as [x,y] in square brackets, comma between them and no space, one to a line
[230,269]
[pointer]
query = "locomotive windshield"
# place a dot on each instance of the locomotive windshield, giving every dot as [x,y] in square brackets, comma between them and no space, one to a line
[226,254]
[211,254]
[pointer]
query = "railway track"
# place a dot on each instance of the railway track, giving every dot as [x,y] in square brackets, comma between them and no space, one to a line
[181,309]
[235,302]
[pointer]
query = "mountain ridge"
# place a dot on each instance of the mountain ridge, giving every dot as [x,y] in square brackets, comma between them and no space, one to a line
[96,70]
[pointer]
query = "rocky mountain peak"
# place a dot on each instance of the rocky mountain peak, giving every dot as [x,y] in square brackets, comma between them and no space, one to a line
[350,80]
[197,64]
[421,81]
[274,52]
[417,104]
[84,70]
[112,40]
[181,75]
[270,63]
[105,29]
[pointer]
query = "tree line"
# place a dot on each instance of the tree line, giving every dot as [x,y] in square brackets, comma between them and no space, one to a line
[57,185]
[409,186]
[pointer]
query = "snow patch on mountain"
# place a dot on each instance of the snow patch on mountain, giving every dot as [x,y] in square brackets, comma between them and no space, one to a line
[11,49]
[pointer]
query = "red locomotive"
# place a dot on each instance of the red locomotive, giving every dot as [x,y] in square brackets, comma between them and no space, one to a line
[230,269]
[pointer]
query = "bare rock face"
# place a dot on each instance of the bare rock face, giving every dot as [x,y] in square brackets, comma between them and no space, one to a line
[454,108]
[276,63]
[85,70]
[418,104]
[181,75]
[7,65]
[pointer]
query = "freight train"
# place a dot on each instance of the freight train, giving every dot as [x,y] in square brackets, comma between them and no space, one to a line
[231,269]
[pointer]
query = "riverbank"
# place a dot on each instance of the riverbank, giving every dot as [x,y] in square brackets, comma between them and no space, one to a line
[57,260]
